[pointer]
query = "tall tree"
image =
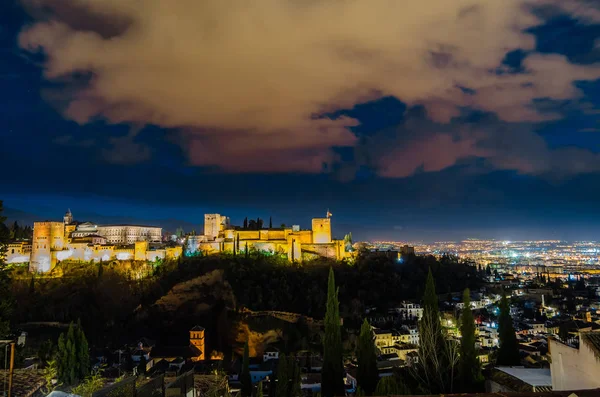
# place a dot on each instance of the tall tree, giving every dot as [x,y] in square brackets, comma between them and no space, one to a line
[471,379]
[259,223]
[295,377]
[437,356]
[367,375]
[61,360]
[283,377]
[143,364]
[83,353]
[246,223]
[72,357]
[259,390]
[387,386]
[508,353]
[288,377]
[245,377]
[270,222]
[332,383]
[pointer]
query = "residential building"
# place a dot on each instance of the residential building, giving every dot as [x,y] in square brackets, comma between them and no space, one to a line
[576,368]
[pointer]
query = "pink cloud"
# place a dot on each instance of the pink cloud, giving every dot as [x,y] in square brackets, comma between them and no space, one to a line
[237,76]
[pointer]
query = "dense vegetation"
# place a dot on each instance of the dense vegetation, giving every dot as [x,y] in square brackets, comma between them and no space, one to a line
[105,297]
[118,304]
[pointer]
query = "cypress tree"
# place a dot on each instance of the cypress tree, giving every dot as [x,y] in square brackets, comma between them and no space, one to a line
[288,377]
[270,222]
[245,223]
[470,368]
[71,375]
[295,389]
[73,359]
[283,377]
[332,383]
[61,358]
[71,356]
[259,390]
[387,386]
[83,354]
[435,370]
[508,353]
[245,378]
[247,254]
[141,368]
[367,375]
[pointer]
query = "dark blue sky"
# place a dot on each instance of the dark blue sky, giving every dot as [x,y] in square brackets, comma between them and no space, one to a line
[397,170]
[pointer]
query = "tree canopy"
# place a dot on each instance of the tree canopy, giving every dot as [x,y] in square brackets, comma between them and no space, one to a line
[470,369]
[332,383]
[367,375]
[437,356]
[508,352]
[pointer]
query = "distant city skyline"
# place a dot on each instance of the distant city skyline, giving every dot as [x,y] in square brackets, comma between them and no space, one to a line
[30,209]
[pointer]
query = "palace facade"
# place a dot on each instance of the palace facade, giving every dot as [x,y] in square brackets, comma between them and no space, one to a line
[54,242]
[296,244]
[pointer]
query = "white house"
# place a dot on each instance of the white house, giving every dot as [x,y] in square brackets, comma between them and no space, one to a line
[576,369]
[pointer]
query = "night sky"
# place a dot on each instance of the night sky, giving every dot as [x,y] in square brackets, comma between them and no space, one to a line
[408,120]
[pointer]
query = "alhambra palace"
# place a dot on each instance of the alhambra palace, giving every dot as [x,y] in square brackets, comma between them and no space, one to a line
[68,240]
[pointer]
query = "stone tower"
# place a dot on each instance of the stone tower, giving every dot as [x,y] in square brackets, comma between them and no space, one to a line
[48,237]
[214,224]
[321,230]
[197,341]
[68,218]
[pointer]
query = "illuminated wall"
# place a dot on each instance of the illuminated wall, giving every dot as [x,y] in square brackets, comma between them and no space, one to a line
[46,236]
[140,250]
[214,224]
[19,252]
[334,250]
[321,229]
[173,252]
[297,244]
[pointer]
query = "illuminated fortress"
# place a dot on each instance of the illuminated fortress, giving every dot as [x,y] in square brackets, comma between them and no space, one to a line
[54,242]
[296,244]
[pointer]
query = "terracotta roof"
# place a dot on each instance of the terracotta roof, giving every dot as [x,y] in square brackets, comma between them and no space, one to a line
[26,382]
